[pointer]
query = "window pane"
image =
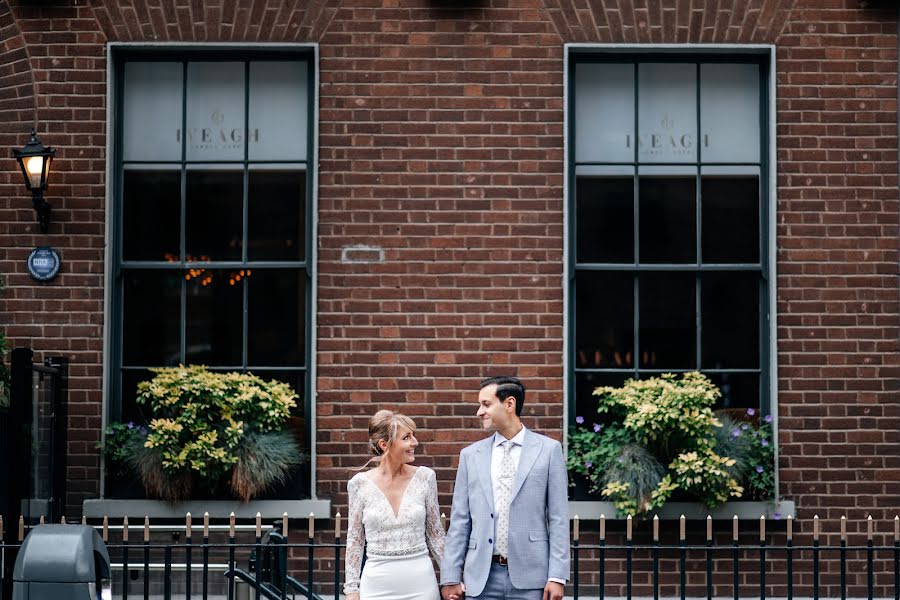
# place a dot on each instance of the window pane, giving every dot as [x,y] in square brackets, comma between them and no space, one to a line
[215,111]
[667,320]
[131,410]
[729,113]
[730,219]
[278,110]
[730,320]
[604,219]
[151,319]
[739,390]
[604,317]
[668,220]
[277,317]
[277,211]
[667,113]
[151,209]
[604,113]
[214,215]
[585,402]
[152,111]
[213,332]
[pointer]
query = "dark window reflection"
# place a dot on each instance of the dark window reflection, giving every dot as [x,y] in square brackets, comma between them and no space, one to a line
[586,402]
[730,219]
[140,414]
[668,320]
[739,390]
[730,320]
[668,223]
[604,312]
[151,319]
[214,327]
[276,215]
[151,213]
[277,317]
[214,215]
[604,219]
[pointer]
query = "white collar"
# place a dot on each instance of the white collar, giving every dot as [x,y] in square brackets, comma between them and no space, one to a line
[517,440]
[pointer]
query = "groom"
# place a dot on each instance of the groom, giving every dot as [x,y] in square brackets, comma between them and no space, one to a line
[509,527]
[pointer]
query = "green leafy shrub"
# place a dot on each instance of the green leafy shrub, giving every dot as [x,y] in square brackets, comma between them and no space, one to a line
[659,437]
[213,429]
[121,442]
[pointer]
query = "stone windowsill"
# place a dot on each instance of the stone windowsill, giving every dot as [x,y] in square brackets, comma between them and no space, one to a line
[217,509]
[591,510]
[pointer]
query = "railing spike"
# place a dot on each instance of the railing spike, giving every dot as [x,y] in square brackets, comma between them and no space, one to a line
[62,520]
[655,528]
[231,525]
[188,530]
[337,524]
[897,528]
[844,528]
[869,528]
[682,528]
[628,525]
[258,525]
[83,520]
[284,525]
[575,528]
[206,525]
[41,521]
[146,528]
[21,528]
[709,528]
[790,527]
[762,528]
[105,528]
[816,528]
[125,529]
[734,528]
[602,526]
[312,525]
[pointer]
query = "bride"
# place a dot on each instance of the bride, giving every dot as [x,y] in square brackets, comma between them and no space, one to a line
[394,513]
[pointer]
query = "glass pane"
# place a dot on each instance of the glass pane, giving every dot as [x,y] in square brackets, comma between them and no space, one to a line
[215,111]
[729,113]
[151,209]
[277,215]
[668,220]
[214,317]
[151,123]
[667,320]
[730,320]
[604,113]
[730,207]
[604,317]
[278,110]
[151,318]
[667,113]
[277,317]
[604,219]
[214,215]
[131,410]
[739,391]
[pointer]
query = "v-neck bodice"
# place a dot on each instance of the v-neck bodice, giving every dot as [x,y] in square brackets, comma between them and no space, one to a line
[414,529]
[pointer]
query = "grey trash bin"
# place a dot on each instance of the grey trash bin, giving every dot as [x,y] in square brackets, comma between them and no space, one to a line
[62,562]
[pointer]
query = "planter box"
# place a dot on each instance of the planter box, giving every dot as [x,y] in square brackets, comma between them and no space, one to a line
[591,510]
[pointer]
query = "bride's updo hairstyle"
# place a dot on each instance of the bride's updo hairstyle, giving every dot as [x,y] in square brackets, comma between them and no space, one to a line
[383,427]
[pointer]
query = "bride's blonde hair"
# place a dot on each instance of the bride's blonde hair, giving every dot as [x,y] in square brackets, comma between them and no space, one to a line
[384,426]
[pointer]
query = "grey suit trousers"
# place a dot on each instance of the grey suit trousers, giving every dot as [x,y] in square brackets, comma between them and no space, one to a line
[499,587]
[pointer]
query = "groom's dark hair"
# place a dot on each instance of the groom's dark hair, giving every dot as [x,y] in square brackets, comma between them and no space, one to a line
[506,387]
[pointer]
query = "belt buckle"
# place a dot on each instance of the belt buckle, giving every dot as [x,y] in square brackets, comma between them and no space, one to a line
[503,561]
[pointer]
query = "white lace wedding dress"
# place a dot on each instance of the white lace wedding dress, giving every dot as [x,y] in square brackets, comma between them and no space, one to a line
[398,566]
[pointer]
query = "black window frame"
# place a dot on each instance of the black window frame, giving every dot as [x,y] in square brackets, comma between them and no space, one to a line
[754,56]
[120,55]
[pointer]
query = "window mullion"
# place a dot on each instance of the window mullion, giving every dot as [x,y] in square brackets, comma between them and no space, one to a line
[182,342]
[636,351]
[245,317]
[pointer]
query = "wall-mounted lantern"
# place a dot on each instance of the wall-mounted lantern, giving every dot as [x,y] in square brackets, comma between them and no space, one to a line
[34,160]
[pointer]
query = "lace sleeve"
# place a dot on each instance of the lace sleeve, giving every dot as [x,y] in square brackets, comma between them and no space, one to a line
[434,531]
[356,538]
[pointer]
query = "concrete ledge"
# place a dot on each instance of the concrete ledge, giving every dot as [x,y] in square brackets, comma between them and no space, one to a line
[217,509]
[591,511]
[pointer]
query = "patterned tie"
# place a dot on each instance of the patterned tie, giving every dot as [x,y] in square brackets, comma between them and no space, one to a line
[507,476]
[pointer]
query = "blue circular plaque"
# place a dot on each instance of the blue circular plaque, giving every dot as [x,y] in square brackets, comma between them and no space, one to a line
[43,263]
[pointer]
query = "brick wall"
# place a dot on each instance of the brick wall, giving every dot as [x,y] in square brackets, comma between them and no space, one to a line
[441,141]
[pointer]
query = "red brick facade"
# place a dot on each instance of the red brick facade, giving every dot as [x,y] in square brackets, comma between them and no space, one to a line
[441,140]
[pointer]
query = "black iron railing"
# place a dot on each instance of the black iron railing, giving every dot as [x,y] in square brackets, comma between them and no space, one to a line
[231,561]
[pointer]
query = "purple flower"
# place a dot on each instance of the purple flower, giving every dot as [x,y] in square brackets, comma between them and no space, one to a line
[143,430]
[579,420]
[759,469]
[768,418]
[130,424]
[745,427]
[764,442]
[776,516]
[597,427]
[750,412]
[588,465]
[735,432]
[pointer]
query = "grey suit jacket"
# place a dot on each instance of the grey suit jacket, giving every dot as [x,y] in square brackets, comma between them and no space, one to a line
[538,517]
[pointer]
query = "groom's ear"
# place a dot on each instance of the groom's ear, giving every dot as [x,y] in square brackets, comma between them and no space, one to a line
[510,403]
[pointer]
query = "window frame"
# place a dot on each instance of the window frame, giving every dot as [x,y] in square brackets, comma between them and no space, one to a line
[117,55]
[763,55]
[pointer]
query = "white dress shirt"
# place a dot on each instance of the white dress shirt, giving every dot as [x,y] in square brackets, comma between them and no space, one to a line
[496,459]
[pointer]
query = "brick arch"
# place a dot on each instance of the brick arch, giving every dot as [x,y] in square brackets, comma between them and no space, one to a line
[681,22]
[17,94]
[215,21]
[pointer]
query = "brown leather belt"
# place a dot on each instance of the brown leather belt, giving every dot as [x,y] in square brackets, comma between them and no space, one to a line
[500,560]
